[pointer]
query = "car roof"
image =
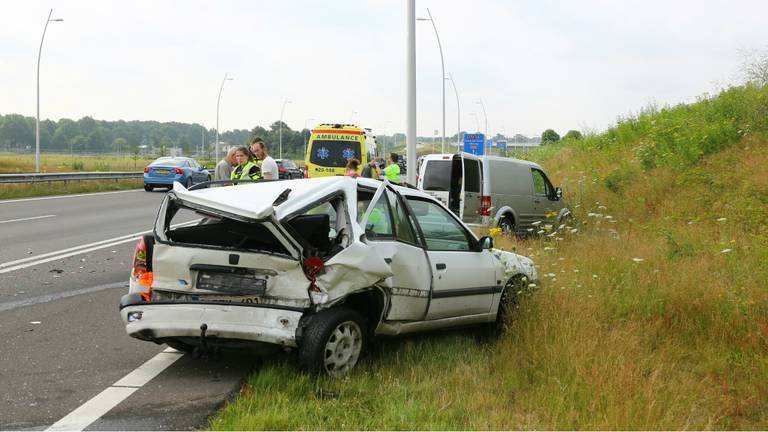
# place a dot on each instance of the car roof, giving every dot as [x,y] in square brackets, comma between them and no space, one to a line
[254,200]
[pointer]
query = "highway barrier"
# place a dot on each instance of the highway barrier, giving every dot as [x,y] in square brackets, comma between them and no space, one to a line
[70,176]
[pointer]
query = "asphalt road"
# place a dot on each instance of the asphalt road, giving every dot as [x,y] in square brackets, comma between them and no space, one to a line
[63,341]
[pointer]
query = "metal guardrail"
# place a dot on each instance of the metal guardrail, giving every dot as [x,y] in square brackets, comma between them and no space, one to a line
[71,176]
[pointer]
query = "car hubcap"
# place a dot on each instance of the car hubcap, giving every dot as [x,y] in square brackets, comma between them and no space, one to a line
[506,227]
[343,348]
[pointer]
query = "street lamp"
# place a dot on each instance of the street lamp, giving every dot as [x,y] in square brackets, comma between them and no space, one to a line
[351,116]
[285,102]
[458,113]
[477,121]
[442,66]
[37,123]
[305,137]
[218,102]
[485,115]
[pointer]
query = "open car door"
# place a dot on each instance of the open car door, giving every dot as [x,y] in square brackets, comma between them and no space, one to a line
[390,231]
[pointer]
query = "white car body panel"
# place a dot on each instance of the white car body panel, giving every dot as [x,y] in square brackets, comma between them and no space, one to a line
[415,296]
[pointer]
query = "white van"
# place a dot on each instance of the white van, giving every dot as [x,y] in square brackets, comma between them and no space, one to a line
[493,191]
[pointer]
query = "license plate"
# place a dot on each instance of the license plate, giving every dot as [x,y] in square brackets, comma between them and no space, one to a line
[231,299]
[161,171]
[241,283]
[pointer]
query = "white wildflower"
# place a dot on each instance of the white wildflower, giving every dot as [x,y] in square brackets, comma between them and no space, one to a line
[537,223]
[722,219]
[574,231]
[531,285]
[540,232]
[638,260]
[725,250]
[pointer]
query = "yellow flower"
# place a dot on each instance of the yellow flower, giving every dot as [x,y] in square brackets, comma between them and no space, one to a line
[493,232]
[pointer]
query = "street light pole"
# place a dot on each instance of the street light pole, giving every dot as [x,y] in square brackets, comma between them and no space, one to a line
[458,113]
[37,123]
[410,99]
[305,137]
[485,115]
[442,66]
[218,102]
[285,102]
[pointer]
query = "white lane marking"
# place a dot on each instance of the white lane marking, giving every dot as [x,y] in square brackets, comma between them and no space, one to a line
[18,264]
[87,413]
[144,373]
[27,219]
[11,201]
[92,410]
[51,297]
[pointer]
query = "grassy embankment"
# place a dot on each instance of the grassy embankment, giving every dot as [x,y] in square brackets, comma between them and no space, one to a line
[15,163]
[652,315]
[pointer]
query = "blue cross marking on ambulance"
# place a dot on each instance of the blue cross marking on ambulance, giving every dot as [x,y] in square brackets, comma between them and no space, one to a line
[323,153]
[348,153]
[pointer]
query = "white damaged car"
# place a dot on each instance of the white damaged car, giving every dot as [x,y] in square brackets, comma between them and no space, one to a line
[316,265]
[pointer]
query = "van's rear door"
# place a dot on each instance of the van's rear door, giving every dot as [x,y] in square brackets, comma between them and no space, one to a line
[472,189]
[435,177]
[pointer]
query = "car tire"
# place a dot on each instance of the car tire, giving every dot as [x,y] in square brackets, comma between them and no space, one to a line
[332,342]
[148,188]
[509,303]
[188,183]
[507,225]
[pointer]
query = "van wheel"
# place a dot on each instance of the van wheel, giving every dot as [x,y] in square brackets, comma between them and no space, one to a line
[333,342]
[507,225]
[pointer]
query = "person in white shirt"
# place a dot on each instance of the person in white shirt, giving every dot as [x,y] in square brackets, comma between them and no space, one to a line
[268,164]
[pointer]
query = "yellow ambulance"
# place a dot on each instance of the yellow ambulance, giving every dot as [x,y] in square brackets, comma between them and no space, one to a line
[332,145]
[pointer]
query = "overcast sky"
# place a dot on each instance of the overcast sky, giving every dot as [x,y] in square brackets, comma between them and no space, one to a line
[536,64]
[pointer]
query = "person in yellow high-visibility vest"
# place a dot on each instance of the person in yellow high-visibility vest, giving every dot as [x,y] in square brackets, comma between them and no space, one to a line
[246,169]
[392,171]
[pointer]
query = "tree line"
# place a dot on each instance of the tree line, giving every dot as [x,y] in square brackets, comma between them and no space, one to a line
[88,135]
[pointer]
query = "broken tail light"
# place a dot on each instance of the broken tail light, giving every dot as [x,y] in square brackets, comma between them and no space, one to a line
[485,205]
[142,264]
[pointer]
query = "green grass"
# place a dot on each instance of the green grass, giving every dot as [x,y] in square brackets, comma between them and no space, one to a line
[653,314]
[14,163]
[25,190]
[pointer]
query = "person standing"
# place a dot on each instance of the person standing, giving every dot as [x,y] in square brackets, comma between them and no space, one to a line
[224,167]
[268,165]
[392,171]
[246,169]
[352,165]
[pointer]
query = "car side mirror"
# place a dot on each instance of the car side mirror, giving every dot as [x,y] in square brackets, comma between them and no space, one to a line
[558,193]
[485,242]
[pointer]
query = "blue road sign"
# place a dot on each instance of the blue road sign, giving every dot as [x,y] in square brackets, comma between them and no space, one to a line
[501,145]
[474,143]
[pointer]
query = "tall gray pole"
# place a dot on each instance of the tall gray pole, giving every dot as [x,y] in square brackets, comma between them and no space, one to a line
[458,114]
[410,142]
[280,133]
[37,122]
[305,136]
[218,102]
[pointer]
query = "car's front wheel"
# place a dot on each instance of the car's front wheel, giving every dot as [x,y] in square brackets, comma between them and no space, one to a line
[509,302]
[333,342]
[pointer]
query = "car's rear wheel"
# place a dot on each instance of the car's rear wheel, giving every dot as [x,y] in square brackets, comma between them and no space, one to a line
[148,188]
[188,183]
[333,342]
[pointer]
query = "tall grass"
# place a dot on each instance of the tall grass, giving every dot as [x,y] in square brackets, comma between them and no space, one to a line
[13,163]
[651,311]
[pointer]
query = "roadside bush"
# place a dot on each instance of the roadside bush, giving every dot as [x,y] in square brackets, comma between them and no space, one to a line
[77,165]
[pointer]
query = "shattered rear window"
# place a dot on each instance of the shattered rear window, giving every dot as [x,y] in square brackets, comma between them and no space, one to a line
[192,227]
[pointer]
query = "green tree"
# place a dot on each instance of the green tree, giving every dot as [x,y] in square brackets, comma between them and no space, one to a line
[549,136]
[573,135]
